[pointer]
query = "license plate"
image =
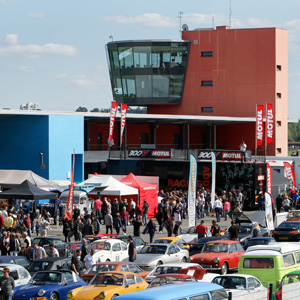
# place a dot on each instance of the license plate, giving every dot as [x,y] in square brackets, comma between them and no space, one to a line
[283,238]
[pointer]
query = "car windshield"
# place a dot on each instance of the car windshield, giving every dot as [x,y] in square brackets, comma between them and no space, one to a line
[100,246]
[162,242]
[245,229]
[107,279]
[231,282]
[290,278]
[46,277]
[215,247]
[166,270]
[154,249]
[100,268]
[38,266]
[165,280]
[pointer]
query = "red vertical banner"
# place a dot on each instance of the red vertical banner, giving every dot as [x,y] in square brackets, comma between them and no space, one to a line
[289,173]
[69,204]
[259,124]
[270,124]
[113,113]
[269,179]
[123,119]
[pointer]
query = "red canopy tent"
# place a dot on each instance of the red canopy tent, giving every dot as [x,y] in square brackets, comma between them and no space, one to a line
[147,191]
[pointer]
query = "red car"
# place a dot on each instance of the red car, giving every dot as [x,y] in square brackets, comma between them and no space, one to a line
[293,215]
[164,279]
[95,237]
[112,266]
[221,255]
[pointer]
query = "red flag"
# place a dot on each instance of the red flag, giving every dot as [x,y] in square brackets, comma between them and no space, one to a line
[69,204]
[113,112]
[259,125]
[269,179]
[270,124]
[123,119]
[289,172]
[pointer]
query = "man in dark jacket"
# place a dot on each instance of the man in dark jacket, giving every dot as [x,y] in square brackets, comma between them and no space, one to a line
[145,212]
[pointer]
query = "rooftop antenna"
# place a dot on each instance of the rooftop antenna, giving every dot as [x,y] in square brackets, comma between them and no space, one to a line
[230,13]
[180,17]
[213,15]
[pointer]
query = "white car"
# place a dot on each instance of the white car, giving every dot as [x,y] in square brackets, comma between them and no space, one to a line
[20,275]
[191,235]
[154,255]
[240,284]
[110,250]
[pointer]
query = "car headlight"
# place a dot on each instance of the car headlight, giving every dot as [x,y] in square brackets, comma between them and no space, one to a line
[70,295]
[102,295]
[41,292]
[216,260]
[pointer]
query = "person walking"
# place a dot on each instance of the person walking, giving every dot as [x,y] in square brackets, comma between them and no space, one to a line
[44,226]
[96,224]
[108,222]
[75,265]
[67,227]
[90,259]
[201,229]
[218,209]
[137,223]
[226,209]
[169,225]
[145,212]
[151,229]
[27,224]
[53,251]
[38,252]
[7,285]
[117,223]
[84,251]
[131,249]
[233,231]
[124,218]
[159,218]
[215,229]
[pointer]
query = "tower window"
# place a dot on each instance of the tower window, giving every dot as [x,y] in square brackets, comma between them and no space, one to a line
[207,83]
[206,53]
[278,95]
[278,67]
[207,109]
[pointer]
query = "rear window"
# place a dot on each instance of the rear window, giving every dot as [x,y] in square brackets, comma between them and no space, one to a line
[38,266]
[258,263]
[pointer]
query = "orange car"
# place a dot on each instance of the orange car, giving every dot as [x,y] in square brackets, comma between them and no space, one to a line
[124,266]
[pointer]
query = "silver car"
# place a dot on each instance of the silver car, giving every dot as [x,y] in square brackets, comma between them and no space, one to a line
[154,255]
[20,275]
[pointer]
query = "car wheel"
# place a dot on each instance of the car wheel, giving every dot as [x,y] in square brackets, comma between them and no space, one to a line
[224,268]
[159,263]
[114,296]
[53,296]
[184,260]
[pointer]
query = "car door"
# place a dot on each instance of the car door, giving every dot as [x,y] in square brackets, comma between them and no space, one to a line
[172,254]
[124,252]
[68,284]
[233,256]
[132,285]
[24,276]
[15,275]
[116,252]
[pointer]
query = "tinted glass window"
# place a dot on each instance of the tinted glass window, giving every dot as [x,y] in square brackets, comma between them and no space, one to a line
[130,279]
[38,266]
[219,295]
[124,247]
[14,274]
[258,263]
[69,277]
[138,279]
[22,262]
[134,268]
[123,268]
[125,57]
[116,247]
[200,297]
[232,248]
[239,247]
[288,260]
[23,274]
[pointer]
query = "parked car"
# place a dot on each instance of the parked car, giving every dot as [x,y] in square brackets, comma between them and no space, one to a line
[112,266]
[289,278]
[164,279]
[287,231]
[18,260]
[157,254]
[139,242]
[52,285]
[110,250]
[52,264]
[95,237]
[293,215]
[191,234]
[180,242]
[18,273]
[198,245]
[44,242]
[108,285]
[259,241]
[219,256]
[240,284]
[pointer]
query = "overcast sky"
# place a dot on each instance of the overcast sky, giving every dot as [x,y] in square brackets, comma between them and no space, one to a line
[53,52]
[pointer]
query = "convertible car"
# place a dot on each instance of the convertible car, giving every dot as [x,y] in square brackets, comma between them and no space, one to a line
[52,285]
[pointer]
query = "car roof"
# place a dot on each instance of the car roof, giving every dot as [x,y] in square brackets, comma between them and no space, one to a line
[10,266]
[275,249]
[174,275]
[47,237]
[110,241]
[183,265]
[114,263]
[223,242]
[117,272]
[262,238]
[7,257]
[236,275]
[171,238]
[52,259]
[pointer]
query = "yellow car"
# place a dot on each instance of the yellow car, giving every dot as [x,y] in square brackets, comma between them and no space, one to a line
[172,240]
[108,285]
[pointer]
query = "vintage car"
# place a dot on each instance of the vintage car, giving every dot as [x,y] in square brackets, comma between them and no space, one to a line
[95,237]
[108,285]
[20,275]
[172,240]
[287,231]
[13,259]
[191,235]
[154,255]
[113,266]
[164,279]
[219,256]
[259,241]
[138,241]
[240,284]
[110,250]
[292,277]
[52,285]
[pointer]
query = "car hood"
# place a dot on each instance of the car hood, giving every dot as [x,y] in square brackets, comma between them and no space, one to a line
[91,291]
[147,258]
[207,257]
[31,290]
[188,237]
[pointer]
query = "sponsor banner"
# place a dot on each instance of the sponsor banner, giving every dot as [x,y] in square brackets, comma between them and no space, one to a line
[213,179]
[69,204]
[268,211]
[289,173]
[192,191]
[113,113]
[221,155]
[259,124]
[149,153]
[270,124]
[123,119]
[269,179]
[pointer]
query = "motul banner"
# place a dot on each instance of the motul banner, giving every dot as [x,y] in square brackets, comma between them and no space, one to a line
[289,173]
[69,204]
[269,179]
[270,124]
[123,119]
[220,155]
[149,153]
[113,113]
[259,125]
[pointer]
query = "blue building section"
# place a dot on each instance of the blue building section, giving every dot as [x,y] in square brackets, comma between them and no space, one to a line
[25,139]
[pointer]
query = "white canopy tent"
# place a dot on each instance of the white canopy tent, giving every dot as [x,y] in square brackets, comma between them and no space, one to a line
[95,180]
[117,188]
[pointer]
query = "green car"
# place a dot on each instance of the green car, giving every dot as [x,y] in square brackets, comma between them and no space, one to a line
[289,278]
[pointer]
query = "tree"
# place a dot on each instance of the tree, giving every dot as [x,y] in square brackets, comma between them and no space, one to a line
[82,109]
[96,109]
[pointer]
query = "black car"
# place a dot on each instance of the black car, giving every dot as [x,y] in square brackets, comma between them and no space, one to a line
[259,241]
[139,242]
[52,264]
[198,245]
[18,260]
[287,231]
[44,242]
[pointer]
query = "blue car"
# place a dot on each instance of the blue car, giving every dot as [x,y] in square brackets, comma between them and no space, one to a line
[52,285]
